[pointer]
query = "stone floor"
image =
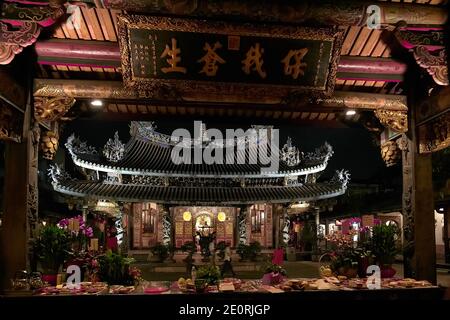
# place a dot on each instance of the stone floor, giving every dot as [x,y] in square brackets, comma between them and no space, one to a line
[297,269]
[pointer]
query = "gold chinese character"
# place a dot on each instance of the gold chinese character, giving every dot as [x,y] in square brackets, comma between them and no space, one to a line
[298,66]
[210,59]
[174,58]
[254,59]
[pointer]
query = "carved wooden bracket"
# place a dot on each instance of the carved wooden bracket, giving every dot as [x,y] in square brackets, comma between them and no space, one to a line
[52,108]
[436,65]
[391,153]
[49,144]
[396,120]
[427,48]
[20,26]
[12,42]
[435,135]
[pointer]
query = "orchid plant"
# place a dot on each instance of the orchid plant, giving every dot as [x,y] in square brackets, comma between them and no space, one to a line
[78,230]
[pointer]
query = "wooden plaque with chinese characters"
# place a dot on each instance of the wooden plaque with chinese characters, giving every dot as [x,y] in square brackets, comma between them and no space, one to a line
[199,59]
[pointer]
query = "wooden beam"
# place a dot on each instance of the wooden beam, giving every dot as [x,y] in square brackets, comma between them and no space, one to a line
[348,13]
[114,90]
[102,54]
[107,55]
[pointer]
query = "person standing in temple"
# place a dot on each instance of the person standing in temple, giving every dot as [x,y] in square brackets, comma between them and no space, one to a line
[111,237]
[278,256]
[227,267]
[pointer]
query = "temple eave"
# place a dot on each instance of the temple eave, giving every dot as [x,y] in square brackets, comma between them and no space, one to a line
[200,195]
[135,171]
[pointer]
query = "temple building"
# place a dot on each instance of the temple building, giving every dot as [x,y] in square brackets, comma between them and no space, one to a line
[369,77]
[170,202]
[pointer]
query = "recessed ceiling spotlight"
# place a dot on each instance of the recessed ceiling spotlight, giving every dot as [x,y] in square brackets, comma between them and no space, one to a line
[350,113]
[97,103]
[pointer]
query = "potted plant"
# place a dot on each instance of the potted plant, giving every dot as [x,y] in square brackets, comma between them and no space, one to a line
[384,247]
[345,257]
[345,262]
[254,249]
[115,269]
[160,251]
[190,248]
[274,274]
[209,274]
[221,248]
[51,248]
[243,251]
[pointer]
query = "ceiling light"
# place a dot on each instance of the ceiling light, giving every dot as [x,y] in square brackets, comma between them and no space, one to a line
[97,103]
[441,209]
[350,113]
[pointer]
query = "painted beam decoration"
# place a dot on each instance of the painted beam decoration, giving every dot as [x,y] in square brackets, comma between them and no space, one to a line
[21,24]
[435,135]
[199,59]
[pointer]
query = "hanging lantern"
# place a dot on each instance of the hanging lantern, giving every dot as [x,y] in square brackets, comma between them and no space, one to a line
[49,145]
[187,216]
[221,216]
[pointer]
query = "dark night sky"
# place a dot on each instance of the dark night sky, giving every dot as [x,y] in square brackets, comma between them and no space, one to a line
[354,148]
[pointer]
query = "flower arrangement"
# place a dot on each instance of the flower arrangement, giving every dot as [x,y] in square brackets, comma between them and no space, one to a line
[275,268]
[274,274]
[78,230]
[346,256]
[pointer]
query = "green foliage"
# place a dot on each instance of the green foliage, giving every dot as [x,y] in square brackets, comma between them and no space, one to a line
[161,251]
[250,252]
[308,237]
[189,247]
[210,273]
[346,257]
[221,248]
[270,267]
[52,248]
[242,251]
[115,269]
[383,243]
[254,250]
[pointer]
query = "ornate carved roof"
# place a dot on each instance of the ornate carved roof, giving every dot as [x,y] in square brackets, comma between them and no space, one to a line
[198,194]
[148,153]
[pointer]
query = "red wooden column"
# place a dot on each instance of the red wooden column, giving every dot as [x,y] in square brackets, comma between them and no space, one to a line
[418,204]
